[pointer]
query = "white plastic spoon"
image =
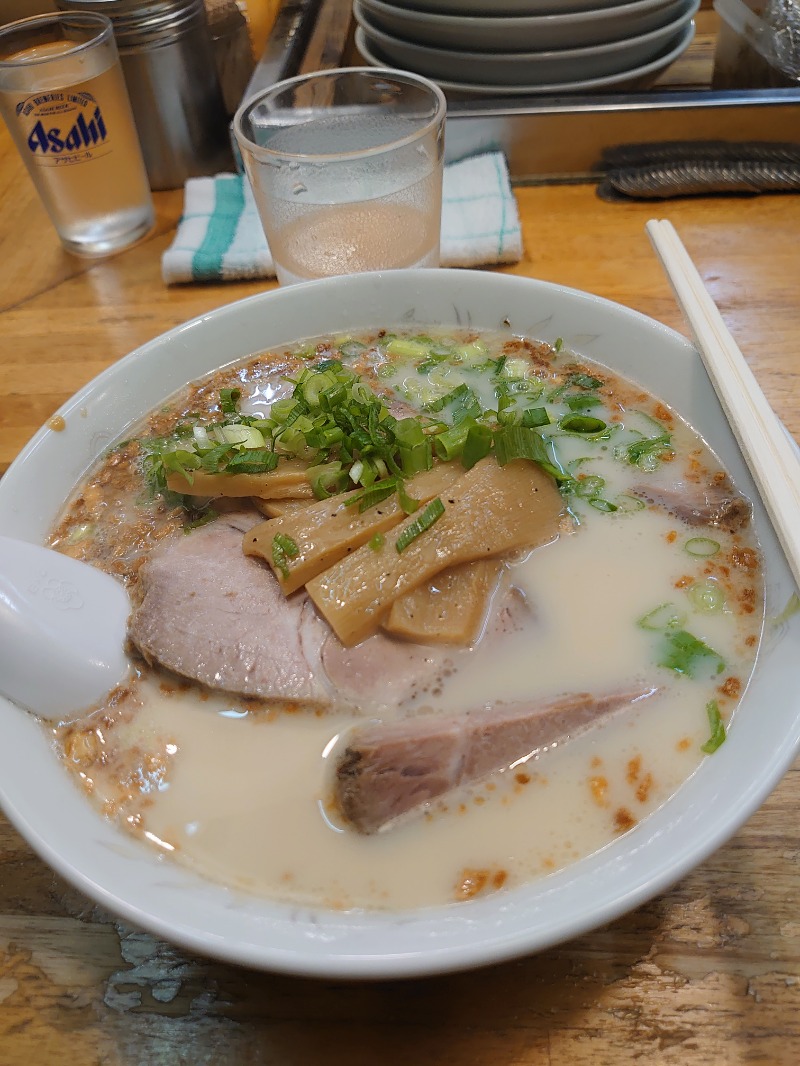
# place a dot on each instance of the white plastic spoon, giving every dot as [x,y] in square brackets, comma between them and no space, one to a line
[62,631]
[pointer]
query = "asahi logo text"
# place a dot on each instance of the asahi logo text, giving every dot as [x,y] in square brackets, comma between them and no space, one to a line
[68,127]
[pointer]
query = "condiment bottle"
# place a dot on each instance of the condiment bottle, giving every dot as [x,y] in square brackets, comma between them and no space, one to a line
[170,70]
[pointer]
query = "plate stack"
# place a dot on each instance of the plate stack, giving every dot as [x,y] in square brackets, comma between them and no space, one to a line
[526,46]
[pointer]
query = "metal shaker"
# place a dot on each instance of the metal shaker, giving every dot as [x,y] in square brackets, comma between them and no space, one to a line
[170,70]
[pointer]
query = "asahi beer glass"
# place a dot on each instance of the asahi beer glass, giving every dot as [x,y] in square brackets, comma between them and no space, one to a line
[64,101]
[346,170]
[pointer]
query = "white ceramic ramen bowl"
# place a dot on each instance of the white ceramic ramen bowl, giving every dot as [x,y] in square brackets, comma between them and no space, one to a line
[120,873]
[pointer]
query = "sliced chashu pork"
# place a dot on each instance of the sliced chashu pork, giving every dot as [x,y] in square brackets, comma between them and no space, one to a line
[390,769]
[712,503]
[210,613]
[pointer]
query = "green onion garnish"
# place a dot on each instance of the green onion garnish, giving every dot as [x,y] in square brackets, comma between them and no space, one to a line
[408,503]
[582,424]
[376,493]
[589,487]
[600,504]
[647,452]
[584,381]
[286,544]
[377,541]
[665,616]
[252,461]
[283,548]
[201,520]
[580,403]
[327,480]
[706,596]
[229,401]
[519,442]
[534,417]
[432,513]
[462,401]
[701,546]
[685,654]
[627,504]
[450,444]
[717,728]
[477,445]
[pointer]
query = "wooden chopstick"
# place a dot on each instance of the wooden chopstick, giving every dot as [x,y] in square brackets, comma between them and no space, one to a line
[767,449]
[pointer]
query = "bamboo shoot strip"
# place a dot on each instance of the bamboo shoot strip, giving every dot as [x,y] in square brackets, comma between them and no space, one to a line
[448,609]
[326,531]
[288,481]
[490,511]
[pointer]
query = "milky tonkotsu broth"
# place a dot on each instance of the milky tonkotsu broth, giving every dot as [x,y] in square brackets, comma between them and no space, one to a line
[241,791]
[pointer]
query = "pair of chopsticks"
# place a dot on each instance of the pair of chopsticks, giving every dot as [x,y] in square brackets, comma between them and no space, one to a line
[767,449]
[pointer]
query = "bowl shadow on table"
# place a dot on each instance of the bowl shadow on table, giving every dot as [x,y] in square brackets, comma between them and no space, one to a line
[656,975]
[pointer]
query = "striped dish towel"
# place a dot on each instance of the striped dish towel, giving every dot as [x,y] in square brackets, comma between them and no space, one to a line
[219,237]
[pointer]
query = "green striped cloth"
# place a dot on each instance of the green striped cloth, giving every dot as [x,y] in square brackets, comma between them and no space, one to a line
[219,237]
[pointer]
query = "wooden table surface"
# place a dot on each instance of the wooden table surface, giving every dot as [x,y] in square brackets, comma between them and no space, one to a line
[708,973]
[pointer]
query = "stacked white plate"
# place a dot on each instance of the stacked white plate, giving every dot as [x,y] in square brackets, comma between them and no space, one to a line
[526,46]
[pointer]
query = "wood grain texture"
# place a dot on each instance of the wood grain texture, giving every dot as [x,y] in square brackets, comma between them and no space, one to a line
[708,974]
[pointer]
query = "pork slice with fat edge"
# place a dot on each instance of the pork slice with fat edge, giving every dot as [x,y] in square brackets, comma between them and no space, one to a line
[388,770]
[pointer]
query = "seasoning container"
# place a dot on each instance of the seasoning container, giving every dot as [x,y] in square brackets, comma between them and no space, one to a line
[232,49]
[170,70]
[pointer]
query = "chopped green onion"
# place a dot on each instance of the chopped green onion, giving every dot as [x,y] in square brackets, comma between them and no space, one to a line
[286,544]
[432,513]
[377,541]
[588,487]
[534,417]
[471,353]
[229,401]
[407,349]
[283,548]
[519,442]
[701,546]
[202,520]
[477,445]
[706,596]
[256,461]
[584,381]
[628,504]
[350,349]
[462,401]
[717,728]
[375,493]
[327,479]
[559,344]
[647,452]
[600,504]
[665,616]
[449,445]
[582,424]
[580,403]
[408,503]
[685,654]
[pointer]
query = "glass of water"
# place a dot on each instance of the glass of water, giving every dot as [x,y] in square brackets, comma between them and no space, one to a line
[64,100]
[346,170]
